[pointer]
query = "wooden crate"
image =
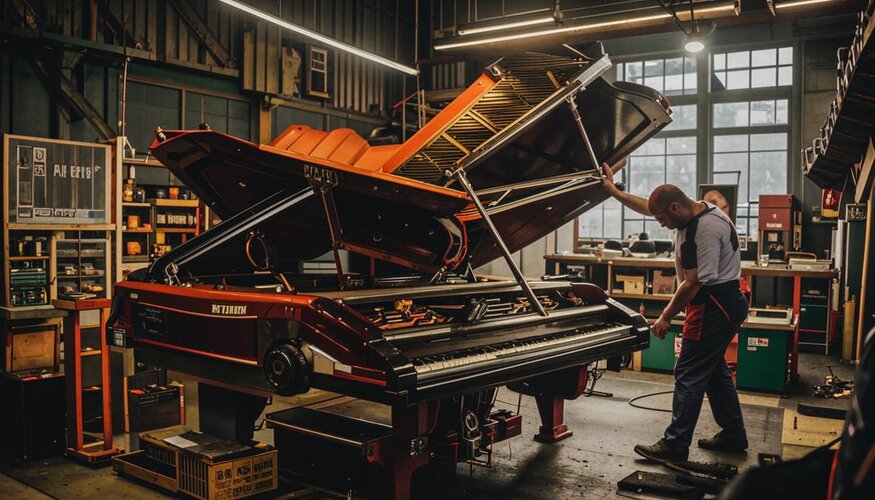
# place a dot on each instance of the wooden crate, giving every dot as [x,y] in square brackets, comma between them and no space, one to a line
[193,472]
[243,477]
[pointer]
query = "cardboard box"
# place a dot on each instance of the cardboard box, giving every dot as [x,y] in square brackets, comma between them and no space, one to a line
[631,284]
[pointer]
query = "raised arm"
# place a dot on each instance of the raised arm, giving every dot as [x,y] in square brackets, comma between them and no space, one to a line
[635,202]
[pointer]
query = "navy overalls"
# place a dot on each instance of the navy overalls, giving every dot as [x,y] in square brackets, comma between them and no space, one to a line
[712,320]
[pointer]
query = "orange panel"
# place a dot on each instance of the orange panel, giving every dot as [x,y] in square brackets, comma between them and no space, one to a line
[331,142]
[288,136]
[308,142]
[441,122]
[375,156]
[352,148]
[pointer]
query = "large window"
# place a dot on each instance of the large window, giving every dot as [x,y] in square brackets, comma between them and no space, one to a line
[748,132]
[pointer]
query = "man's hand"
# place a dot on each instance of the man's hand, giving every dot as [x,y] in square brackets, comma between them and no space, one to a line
[608,178]
[660,328]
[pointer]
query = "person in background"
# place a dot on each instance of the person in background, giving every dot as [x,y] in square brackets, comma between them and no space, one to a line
[708,262]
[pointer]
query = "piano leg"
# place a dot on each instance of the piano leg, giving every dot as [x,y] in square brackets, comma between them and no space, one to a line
[411,425]
[550,392]
[552,411]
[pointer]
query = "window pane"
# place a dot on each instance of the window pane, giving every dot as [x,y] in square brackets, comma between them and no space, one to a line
[766,57]
[738,79]
[683,117]
[719,61]
[652,147]
[634,70]
[613,219]
[656,232]
[770,172]
[654,82]
[763,77]
[653,67]
[674,84]
[680,145]
[762,113]
[785,75]
[729,143]
[781,113]
[645,173]
[785,55]
[768,142]
[681,171]
[731,114]
[719,81]
[738,60]
[730,162]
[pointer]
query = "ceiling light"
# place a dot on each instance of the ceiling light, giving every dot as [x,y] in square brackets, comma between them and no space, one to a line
[508,22]
[695,43]
[321,38]
[548,31]
[799,3]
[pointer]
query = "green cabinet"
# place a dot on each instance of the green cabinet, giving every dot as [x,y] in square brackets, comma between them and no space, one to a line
[662,354]
[764,359]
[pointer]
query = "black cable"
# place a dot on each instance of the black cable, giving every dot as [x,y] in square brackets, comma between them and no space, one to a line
[631,401]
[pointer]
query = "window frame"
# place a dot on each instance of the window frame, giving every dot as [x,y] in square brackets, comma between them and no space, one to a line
[706,98]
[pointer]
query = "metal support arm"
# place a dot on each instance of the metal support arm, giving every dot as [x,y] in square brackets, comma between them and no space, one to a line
[462,179]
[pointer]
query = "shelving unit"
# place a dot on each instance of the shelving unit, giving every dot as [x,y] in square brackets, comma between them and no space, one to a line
[26,268]
[175,221]
[137,234]
[82,263]
[86,366]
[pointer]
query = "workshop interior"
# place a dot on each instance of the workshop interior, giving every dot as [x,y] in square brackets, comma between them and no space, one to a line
[400,249]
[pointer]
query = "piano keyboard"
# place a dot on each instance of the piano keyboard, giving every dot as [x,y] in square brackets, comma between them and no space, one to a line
[484,356]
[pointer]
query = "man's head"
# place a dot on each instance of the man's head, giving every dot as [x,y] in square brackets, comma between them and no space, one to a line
[670,206]
[717,198]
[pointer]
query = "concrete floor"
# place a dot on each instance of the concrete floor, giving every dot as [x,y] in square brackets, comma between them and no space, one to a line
[586,465]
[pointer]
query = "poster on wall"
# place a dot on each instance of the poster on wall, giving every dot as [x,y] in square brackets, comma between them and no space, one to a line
[724,196]
[49,181]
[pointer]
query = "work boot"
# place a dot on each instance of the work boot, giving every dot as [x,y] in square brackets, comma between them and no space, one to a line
[721,443]
[661,452]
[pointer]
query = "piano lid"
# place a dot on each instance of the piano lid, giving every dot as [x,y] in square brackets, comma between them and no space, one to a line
[513,132]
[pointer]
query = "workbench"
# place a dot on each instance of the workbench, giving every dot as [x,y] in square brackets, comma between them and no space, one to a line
[561,264]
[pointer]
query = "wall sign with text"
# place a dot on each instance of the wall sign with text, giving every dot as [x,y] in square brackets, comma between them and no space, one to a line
[49,181]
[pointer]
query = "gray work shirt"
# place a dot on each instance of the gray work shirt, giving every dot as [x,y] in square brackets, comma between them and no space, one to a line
[709,243]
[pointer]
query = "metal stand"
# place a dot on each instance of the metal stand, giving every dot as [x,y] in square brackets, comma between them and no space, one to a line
[459,175]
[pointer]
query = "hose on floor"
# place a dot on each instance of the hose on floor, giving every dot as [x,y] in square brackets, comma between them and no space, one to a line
[633,405]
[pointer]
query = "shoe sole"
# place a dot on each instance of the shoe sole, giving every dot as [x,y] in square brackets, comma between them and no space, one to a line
[654,458]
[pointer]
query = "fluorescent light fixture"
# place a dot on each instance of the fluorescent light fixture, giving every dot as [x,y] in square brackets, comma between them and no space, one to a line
[504,23]
[799,3]
[548,31]
[321,38]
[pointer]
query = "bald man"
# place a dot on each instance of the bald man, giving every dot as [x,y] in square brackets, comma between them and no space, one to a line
[708,262]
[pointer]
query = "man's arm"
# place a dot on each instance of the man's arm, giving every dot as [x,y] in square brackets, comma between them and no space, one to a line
[635,202]
[684,294]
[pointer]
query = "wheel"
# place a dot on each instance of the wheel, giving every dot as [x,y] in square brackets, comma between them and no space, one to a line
[286,369]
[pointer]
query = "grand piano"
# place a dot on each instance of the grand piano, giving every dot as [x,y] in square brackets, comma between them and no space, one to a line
[514,157]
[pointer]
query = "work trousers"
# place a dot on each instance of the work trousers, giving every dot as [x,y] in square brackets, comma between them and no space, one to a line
[711,322]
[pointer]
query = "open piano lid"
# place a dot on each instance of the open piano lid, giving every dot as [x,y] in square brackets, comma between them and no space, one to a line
[512,132]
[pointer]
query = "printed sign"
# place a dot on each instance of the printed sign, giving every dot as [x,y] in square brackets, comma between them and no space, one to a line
[56,182]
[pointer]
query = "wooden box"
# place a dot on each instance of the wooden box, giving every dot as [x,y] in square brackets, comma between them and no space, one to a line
[631,284]
[33,347]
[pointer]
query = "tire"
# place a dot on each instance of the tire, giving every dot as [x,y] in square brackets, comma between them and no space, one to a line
[286,369]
